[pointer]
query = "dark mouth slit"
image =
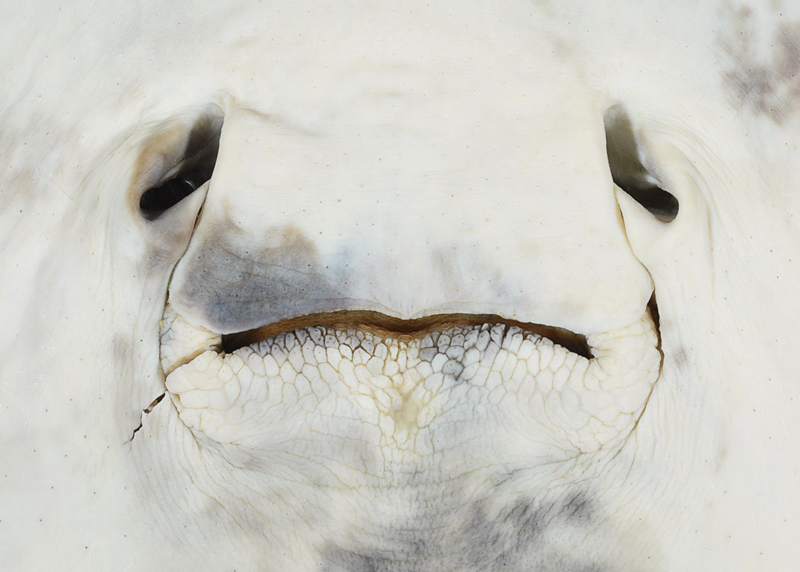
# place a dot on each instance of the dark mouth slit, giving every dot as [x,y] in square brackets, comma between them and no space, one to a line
[404,330]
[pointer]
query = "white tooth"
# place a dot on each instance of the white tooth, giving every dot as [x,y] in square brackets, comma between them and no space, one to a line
[296,357]
[494,380]
[483,340]
[497,395]
[545,354]
[334,357]
[288,372]
[271,368]
[182,341]
[438,362]
[559,355]
[320,354]
[560,378]
[508,367]
[434,382]
[206,371]
[520,371]
[375,364]
[391,367]
[221,399]
[544,381]
[194,399]
[363,375]
[308,351]
[302,385]
[348,376]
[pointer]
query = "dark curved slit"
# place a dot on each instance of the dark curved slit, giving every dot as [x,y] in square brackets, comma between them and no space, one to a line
[384,325]
[200,157]
[627,170]
[146,411]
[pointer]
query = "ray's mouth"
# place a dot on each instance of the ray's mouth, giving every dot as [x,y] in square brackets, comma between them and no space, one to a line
[403,330]
[409,376]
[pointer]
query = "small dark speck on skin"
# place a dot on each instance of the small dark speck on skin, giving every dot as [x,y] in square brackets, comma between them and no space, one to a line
[722,454]
[679,357]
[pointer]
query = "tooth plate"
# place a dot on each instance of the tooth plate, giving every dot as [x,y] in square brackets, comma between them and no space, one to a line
[403,397]
[182,341]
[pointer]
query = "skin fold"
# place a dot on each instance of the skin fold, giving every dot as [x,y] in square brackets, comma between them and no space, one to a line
[164,402]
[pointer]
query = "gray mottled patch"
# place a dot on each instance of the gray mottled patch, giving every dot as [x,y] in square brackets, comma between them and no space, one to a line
[336,558]
[764,81]
[236,288]
[477,537]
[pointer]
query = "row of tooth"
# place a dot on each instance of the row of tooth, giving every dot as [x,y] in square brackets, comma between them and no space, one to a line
[401,386]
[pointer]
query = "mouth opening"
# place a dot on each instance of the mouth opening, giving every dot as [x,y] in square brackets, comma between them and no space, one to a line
[406,330]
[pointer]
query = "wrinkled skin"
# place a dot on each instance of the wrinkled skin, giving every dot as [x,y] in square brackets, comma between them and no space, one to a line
[411,160]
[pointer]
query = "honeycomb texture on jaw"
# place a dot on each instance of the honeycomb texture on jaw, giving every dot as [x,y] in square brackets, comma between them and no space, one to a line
[181,341]
[396,394]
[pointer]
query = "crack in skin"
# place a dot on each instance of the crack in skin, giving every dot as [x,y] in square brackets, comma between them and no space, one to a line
[146,411]
[157,400]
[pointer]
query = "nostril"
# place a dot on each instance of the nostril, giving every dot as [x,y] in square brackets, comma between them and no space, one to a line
[629,173]
[156,201]
[193,170]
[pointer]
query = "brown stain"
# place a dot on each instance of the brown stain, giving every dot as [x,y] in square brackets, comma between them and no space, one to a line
[766,84]
[721,458]
[562,48]
[182,138]
[383,325]
[722,448]
[294,241]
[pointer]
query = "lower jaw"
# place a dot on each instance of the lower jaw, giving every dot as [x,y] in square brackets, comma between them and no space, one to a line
[408,380]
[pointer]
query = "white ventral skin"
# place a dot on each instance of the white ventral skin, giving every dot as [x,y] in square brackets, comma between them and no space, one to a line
[411,159]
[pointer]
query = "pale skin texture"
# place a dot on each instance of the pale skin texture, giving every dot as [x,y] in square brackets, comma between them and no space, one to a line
[411,160]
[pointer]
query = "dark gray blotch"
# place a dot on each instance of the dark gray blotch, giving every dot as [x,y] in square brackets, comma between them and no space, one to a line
[236,288]
[474,538]
[770,85]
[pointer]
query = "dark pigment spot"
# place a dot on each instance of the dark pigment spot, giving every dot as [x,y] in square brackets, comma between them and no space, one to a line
[767,84]
[473,538]
[239,289]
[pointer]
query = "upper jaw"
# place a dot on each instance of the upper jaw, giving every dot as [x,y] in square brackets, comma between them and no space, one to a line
[376,227]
